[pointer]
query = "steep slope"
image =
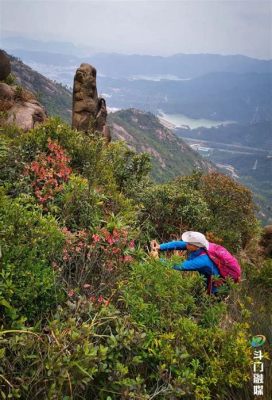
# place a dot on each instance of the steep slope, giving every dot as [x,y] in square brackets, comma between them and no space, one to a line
[52,95]
[143,131]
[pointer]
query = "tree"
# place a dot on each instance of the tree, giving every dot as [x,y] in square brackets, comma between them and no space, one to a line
[232,209]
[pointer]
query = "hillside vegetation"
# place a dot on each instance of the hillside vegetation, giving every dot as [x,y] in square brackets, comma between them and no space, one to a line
[170,156]
[56,98]
[86,312]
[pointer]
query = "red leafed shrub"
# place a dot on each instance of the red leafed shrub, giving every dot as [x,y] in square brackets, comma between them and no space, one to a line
[48,172]
[94,261]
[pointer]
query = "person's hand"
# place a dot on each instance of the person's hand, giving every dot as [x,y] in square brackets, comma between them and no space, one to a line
[154,254]
[154,245]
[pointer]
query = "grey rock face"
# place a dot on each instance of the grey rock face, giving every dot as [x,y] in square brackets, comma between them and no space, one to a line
[89,110]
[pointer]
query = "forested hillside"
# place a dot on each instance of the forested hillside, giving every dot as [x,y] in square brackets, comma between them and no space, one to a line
[143,132]
[56,98]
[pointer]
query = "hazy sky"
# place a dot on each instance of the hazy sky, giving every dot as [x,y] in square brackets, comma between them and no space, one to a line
[147,26]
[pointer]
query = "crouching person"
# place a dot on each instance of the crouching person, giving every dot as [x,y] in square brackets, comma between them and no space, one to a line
[211,260]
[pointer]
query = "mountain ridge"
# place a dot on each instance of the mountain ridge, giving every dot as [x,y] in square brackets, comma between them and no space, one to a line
[235,88]
[124,65]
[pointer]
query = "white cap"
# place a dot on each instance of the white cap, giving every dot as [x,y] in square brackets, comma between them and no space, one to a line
[195,238]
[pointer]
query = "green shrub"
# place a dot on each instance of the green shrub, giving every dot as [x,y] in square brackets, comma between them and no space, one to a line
[11,165]
[261,277]
[170,209]
[78,205]
[105,167]
[89,155]
[156,294]
[3,149]
[232,209]
[92,357]
[185,343]
[105,355]
[10,79]
[29,242]
[131,170]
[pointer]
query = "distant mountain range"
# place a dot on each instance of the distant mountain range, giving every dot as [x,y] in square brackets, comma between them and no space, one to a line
[217,96]
[213,87]
[181,66]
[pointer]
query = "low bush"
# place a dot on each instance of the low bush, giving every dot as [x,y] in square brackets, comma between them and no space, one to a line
[232,209]
[96,260]
[93,356]
[29,244]
[78,205]
[170,209]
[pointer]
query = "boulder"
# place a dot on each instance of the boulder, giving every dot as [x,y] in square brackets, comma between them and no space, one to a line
[21,107]
[26,114]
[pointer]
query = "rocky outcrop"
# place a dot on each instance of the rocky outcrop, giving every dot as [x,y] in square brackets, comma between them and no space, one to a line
[89,110]
[5,67]
[20,107]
